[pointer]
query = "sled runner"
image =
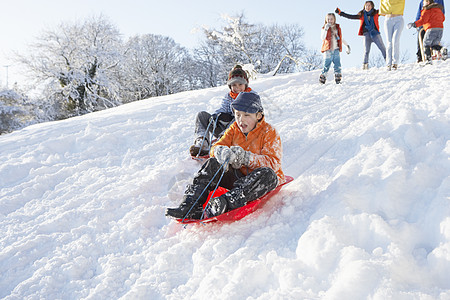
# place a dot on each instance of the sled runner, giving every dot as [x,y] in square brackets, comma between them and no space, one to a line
[238,213]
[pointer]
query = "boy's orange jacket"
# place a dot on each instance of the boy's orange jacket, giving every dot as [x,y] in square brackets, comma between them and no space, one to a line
[431,17]
[263,142]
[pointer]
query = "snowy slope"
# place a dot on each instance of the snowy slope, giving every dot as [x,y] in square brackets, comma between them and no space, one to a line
[368,216]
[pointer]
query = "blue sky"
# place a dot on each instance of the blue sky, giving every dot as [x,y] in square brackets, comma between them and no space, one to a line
[22,21]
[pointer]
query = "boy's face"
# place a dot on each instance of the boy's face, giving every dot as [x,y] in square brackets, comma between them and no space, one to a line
[426,2]
[246,121]
[237,88]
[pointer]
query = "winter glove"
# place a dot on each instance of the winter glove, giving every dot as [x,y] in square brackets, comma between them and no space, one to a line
[338,11]
[348,49]
[410,25]
[241,157]
[327,26]
[223,154]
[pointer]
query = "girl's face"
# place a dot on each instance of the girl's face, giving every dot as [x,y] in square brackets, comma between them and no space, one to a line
[246,121]
[368,6]
[237,88]
[331,20]
[425,2]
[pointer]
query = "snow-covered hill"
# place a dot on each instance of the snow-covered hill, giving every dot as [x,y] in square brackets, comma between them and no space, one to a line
[368,216]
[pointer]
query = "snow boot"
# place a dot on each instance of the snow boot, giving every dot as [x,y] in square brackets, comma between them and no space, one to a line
[394,67]
[196,193]
[322,78]
[200,147]
[365,67]
[189,208]
[428,57]
[444,53]
[389,67]
[216,206]
[338,78]
[185,211]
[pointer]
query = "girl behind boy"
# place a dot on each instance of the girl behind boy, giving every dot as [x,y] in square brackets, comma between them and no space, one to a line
[369,28]
[331,47]
[223,117]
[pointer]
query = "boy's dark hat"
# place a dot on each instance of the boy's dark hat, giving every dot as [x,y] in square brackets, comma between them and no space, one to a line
[237,75]
[248,102]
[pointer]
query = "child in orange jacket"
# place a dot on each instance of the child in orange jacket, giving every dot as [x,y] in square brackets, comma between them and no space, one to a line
[369,28]
[432,19]
[332,41]
[252,148]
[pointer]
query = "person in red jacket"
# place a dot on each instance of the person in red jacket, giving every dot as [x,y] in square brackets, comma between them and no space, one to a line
[369,28]
[250,154]
[432,19]
[331,35]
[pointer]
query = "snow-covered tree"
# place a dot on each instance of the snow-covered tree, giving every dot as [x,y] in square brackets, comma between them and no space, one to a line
[15,111]
[266,47]
[210,65]
[77,63]
[154,65]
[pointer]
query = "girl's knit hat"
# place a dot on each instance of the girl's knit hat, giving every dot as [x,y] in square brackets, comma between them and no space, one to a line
[237,75]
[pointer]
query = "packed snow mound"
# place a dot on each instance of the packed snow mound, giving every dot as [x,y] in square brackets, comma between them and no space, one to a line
[367,217]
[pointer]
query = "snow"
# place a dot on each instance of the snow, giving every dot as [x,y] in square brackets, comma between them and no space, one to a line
[367,217]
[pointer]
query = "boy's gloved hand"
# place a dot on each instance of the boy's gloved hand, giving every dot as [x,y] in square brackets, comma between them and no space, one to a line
[241,157]
[222,154]
[338,11]
[410,25]
[348,49]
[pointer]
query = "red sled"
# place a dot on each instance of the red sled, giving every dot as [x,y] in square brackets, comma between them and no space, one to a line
[238,213]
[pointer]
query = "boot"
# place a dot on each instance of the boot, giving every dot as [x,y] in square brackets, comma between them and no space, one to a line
[444,53]
[322,78]
[394,67]
[200,147]
[338,77]
[197,192]
[185,212]
[365,67]
[192,205]
[216,206]
[428,57]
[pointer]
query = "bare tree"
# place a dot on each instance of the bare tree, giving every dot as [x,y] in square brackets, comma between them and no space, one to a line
[268,48]
[154,65]
[208,58]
